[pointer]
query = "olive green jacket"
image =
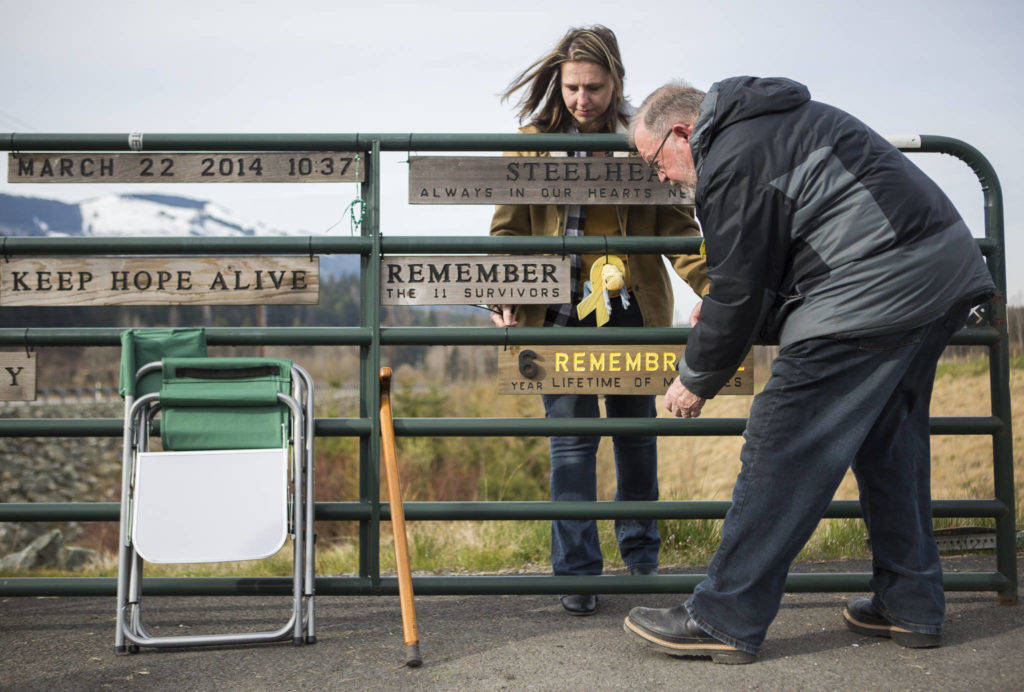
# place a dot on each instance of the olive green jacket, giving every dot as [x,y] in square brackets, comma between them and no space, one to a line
[649,281]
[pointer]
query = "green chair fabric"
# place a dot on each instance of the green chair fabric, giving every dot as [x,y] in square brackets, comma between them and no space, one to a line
[141,346]
[224,403]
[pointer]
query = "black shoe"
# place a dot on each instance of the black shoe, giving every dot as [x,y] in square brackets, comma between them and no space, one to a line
[643,570]
[579,604]
[862,618]
[673,631]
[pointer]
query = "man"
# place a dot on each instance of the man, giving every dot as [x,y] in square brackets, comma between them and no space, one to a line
[822,235]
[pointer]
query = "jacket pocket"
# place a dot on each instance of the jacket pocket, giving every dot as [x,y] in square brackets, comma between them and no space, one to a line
[884,342]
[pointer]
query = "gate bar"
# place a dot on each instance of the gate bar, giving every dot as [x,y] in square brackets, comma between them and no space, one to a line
[459,585]
[500,511]
[481,427]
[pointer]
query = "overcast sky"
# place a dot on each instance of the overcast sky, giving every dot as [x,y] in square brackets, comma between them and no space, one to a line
[935,67]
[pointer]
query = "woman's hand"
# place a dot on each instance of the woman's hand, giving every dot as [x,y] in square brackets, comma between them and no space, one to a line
[502,316]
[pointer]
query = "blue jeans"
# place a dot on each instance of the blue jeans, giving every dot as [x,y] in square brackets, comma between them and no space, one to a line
[831,404]
[574,545]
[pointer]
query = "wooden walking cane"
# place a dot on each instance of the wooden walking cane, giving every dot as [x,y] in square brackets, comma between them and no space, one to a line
[387,433]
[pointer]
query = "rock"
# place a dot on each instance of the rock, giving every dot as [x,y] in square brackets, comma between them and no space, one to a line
[44,551]
[74,558]
[14,537]
[8,536]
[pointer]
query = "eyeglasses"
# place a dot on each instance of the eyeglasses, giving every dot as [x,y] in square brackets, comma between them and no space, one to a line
[653,163]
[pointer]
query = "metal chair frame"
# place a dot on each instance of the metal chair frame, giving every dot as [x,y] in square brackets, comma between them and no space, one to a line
[138,415]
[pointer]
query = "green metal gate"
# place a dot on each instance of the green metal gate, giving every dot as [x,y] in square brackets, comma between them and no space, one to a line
[369,511]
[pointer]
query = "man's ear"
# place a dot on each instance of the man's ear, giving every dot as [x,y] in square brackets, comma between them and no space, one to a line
[682,130]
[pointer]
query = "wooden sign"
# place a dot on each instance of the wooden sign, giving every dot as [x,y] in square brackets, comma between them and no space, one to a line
[253,280]
[600,370]
[17,376]
[474,280]
[538,180]
[175,167]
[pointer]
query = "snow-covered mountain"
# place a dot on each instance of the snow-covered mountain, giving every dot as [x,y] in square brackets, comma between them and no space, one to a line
[127,215]
[139,215]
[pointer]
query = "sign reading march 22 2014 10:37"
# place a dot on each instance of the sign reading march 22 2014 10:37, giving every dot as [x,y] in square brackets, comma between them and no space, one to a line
[174,167]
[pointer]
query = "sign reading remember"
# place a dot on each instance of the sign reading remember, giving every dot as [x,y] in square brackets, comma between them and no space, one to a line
[175,167]
[80,281]
[600,370]
[538,180]
[472,280]
[17,376]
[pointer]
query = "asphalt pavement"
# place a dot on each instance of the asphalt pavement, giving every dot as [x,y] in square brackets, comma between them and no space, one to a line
[498,642]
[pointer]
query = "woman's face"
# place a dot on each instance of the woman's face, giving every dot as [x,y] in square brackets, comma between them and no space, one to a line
[587,92]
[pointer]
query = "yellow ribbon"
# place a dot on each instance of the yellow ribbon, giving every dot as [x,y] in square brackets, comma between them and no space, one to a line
[608,273]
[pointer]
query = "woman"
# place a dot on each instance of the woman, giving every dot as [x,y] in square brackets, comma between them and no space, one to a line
[577,87]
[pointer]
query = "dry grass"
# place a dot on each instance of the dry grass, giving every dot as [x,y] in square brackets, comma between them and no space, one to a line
[705,468]
[691,468]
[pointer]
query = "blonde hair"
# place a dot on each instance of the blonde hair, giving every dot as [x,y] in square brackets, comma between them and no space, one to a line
[541,102]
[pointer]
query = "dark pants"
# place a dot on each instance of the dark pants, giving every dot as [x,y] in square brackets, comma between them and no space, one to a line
[574,545]
[830,404]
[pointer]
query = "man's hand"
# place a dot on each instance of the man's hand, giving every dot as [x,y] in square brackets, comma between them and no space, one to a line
[501,316]
[695,313]
[681,402]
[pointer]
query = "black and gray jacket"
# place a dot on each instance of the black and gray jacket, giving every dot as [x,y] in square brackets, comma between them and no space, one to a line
[814,225]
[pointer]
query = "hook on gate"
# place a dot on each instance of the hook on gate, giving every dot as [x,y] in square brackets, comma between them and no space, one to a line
[505,347]
[28,349]
[3,249]
[311,249]
[408,150]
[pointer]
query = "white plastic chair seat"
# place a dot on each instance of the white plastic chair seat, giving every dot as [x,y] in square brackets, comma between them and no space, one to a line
[210,506]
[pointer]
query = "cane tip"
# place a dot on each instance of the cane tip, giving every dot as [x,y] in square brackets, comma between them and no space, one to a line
[412,655]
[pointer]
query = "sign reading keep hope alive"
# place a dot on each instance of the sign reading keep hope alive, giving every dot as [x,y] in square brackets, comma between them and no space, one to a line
[538,180]
[81,281]
[600,370]
[514,280]
[176,167]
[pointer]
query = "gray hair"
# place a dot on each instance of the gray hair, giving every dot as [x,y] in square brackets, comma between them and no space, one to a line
[674,102]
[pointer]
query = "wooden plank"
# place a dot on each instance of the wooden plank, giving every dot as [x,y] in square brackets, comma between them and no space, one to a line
[80,281]
[448,280]
[600,370]
[176,167]
[17,376]
[538,180]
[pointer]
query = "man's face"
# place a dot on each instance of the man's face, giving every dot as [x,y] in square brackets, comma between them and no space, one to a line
[674,161]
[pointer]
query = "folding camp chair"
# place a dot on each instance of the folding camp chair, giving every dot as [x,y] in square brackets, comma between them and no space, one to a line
[219,490]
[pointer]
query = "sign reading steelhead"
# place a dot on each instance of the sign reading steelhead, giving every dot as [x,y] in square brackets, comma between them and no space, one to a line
[254,280]
[17,376]
[472,280]
[600,370]
[538,180]
[174,167]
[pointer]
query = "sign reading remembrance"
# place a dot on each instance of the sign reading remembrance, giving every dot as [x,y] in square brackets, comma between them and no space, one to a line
[175,167]
[538,180]
[81,281]
[600,370]
[17,376]
[449,280]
